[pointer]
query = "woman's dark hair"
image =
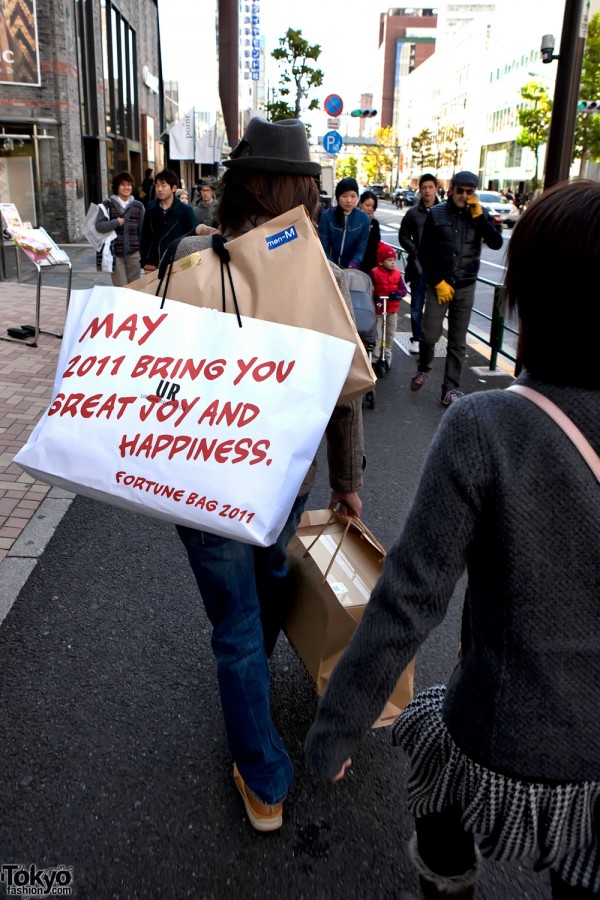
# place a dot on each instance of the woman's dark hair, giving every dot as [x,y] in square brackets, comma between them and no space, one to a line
[247,196]
[552,277]
[120,178]
[368,195]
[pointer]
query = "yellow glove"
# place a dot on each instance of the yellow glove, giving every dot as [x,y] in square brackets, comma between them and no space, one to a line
[444,292]
[475,206]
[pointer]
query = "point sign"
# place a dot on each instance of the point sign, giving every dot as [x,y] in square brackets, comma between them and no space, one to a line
[332,142]
[333,104]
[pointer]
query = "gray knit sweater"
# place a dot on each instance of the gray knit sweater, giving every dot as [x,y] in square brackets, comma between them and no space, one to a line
[505,494]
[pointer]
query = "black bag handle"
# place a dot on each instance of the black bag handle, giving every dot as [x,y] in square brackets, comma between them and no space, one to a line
[165,267]
[218,245]
[167,262]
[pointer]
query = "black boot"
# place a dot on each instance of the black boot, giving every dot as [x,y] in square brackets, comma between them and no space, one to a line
[442,889]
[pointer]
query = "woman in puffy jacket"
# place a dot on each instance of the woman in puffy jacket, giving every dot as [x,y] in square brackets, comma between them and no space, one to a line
[344,229]
[368,204]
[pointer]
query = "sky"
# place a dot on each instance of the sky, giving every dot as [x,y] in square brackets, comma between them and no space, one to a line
[347,32]
[349,57]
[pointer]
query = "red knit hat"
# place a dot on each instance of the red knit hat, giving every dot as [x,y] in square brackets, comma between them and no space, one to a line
[384,251]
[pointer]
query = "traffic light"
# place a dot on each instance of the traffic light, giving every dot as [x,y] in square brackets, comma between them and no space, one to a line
[588,106]
[363,113]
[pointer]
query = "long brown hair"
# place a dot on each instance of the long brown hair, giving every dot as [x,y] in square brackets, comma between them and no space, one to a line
[245,197]
[552,281]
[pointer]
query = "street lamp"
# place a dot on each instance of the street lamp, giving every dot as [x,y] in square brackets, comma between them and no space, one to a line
[566,92]
[547,49]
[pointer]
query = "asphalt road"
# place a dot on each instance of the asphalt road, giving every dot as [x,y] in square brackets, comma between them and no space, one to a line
[113,756]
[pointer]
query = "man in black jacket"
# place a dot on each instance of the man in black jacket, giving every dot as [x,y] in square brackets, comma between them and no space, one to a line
[450,251]
[411,229]
[166,219]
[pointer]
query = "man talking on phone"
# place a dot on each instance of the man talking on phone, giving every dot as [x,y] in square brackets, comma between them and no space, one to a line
[450,252]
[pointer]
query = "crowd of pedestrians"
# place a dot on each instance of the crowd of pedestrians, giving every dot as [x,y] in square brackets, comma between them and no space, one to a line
[449,253]
[141,223]
[505,759]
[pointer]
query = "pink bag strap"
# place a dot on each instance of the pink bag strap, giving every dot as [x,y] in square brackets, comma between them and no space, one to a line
[564,422]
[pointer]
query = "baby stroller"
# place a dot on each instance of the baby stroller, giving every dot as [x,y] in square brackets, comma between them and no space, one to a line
[361,293]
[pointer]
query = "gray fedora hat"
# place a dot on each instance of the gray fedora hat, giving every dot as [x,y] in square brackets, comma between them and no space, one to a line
[274,147]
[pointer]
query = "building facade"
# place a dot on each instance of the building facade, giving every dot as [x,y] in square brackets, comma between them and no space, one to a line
[406,40]
[251,73]
[467,95]
[82,101]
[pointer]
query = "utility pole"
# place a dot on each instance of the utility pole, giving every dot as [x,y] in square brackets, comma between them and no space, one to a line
[566,92]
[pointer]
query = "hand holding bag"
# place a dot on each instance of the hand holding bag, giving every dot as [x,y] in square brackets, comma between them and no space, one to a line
[334,565]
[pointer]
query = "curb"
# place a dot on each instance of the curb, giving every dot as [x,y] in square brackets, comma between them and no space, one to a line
[21,559]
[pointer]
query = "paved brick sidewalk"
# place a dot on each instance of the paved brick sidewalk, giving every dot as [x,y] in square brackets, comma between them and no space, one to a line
[26,378]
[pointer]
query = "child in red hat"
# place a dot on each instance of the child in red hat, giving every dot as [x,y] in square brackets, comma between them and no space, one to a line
[388,282]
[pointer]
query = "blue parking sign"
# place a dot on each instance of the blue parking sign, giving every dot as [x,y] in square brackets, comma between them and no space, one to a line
[332,142]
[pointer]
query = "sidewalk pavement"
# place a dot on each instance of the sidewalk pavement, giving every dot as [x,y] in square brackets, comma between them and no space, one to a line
[29,509]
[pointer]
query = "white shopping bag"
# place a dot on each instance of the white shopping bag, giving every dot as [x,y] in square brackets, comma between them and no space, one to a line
[182,414]
[96,239]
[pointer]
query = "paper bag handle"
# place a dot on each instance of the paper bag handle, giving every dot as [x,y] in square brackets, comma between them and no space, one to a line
[354,521]
[341,540]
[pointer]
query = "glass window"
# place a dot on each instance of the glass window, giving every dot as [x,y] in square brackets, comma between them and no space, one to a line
[120,74]
[53,213]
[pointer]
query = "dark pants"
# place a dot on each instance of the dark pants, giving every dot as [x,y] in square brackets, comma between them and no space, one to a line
[418,287]
[459,315]
[447,850]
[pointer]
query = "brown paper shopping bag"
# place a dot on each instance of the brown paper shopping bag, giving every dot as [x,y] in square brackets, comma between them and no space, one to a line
[280,274]
[332,578]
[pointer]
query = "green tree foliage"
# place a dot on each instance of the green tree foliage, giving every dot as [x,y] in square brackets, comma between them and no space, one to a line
[298,77]
[379,161]
[448,147]
[534,119]
[586,145]
[421,148]
[347,167]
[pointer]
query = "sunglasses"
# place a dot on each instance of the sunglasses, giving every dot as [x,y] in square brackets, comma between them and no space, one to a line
[461,190]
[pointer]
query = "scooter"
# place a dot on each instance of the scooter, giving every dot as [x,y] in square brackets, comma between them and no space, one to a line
[382,366]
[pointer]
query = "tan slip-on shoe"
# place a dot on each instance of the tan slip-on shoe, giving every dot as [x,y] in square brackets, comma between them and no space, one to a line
[262,817]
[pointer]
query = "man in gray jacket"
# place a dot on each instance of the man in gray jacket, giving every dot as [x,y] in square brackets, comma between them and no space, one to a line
[205,210]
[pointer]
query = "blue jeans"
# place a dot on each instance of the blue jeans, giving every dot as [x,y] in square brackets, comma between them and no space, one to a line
[418,288]
[240,583]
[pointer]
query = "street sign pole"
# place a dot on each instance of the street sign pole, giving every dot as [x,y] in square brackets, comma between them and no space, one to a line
[566,93]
